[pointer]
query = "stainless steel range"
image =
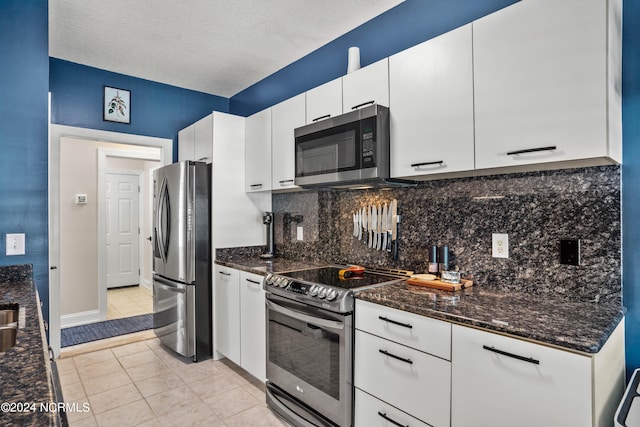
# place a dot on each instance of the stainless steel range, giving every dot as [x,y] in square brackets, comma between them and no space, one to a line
[310,341]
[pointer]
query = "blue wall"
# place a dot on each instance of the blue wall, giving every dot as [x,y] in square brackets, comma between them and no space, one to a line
[156,109]
[24,83]
[631,179]
[406,25]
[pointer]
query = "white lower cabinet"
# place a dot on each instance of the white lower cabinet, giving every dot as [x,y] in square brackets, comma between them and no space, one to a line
[239,319]
[252,325]
[372,412]
[412,381]
[501,381]
[226,303]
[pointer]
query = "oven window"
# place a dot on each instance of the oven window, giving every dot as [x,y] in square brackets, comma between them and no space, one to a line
[326,153]
[307,351]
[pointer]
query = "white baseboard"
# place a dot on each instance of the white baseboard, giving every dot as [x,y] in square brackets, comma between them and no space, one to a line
[147,284]
[82,318]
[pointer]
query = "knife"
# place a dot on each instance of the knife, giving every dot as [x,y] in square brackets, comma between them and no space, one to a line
[374,220]
[389,226]
[359,224]
[385,227]
[365,224]
[379,228]
[394,228]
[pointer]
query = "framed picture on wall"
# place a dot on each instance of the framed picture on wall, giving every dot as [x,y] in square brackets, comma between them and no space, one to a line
[116,104]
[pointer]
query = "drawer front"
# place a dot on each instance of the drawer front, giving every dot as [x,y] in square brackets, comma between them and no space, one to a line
[372,412]
[422,333]
[412,381]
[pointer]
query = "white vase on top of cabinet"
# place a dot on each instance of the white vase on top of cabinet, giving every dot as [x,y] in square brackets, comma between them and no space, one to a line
[285,117]
[431,106]
[257,153]
[547,83]
[366,86]
[324,101]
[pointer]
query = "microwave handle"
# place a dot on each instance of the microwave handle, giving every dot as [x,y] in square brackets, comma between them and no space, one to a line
[363,104]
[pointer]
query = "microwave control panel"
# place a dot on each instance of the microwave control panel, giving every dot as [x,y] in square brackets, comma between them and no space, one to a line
[368,147]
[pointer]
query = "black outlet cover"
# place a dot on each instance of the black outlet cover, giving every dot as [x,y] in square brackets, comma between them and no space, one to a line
[570,251]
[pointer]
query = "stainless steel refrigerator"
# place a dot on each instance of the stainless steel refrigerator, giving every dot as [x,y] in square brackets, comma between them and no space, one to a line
[182,258]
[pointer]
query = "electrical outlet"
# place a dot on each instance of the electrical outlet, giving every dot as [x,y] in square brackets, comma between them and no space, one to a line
[300,233]
[500,245]
[570,251]
[15,244]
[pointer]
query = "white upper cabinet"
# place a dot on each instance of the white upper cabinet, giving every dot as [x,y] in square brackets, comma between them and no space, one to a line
[366,86]
[285,117]
[195,142]
[324,101]
[547,82]
[203,147]
[186,142]
[431,106]
[258,151]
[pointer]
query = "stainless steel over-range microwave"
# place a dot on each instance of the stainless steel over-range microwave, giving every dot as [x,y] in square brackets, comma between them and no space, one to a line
[343,151]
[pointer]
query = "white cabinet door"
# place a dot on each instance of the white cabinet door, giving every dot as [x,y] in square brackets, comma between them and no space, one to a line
[253,324]
[227,312]
[258,152]
[203,141]
[372,412]
[500,381]
[431,106]
[540,82]
[285,117]
[366,86]
[412,381]
[186,143]
[324,101]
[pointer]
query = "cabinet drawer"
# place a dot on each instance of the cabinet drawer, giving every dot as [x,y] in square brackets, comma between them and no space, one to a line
[372,412]
[423,333]
[412,381]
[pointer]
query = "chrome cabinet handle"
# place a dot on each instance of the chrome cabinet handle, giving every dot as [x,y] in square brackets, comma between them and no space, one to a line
[321,117]
[391,420]
[416,165]
[362,105]
[402,359]
[253,281]
[531,150]
[284,181]
[395,322]
[514,356]
[256,185]
[224,273]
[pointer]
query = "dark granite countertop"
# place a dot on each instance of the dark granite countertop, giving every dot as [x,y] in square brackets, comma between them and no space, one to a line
[24,372]
[257,265]
[548,319]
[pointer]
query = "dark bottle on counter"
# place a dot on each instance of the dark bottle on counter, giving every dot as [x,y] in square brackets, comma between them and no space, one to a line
[433,260]
[443,259]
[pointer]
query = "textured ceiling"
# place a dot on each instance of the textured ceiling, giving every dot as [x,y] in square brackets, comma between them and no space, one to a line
[215,46]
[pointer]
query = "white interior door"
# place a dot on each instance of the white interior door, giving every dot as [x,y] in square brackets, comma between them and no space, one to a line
[122,229]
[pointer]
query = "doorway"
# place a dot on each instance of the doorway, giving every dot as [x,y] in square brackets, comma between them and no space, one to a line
[85,302]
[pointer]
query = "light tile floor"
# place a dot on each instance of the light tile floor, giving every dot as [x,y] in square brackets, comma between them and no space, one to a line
[129,301]
[143,383]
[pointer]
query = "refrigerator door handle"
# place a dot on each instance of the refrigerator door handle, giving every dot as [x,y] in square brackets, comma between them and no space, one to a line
[171,288]
[163,204]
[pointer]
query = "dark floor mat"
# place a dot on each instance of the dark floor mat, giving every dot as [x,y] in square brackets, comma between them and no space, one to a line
[107,329]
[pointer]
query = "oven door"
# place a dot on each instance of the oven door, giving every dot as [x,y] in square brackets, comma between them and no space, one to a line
[309,357]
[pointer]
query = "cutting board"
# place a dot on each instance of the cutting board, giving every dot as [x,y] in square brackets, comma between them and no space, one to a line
[438,284]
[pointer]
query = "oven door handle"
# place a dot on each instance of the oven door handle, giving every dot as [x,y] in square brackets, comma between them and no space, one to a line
[324,323]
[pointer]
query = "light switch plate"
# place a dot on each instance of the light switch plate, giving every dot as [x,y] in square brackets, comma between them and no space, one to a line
[300,233]
[500,245]
[15,244]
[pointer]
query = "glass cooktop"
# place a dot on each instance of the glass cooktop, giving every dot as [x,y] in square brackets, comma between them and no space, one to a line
[329,276]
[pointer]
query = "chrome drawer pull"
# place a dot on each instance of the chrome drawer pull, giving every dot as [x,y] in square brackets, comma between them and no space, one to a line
[224,274]
[531,150]
[326,116]
[395,322]
[417,165]
[256,186]
[515,356]
[402,359]
[391,420]
[355,107]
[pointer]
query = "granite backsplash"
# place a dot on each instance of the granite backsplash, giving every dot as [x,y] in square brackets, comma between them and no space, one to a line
[535,209]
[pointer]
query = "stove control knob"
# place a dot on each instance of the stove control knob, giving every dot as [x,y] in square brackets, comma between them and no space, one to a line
[322,293]
[269,279]
[314,290]
[331,295]
[284,282]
